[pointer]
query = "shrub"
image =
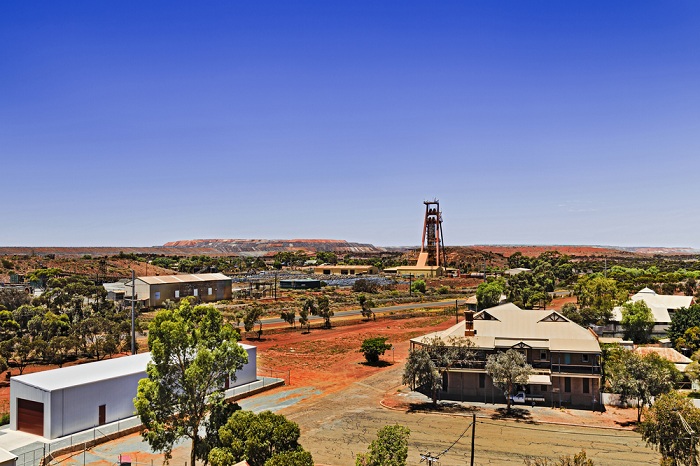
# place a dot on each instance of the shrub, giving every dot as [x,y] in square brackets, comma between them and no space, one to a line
[418,286]
[372,348]
[363,285]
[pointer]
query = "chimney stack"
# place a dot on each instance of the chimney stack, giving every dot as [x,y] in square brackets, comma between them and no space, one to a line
[469,324]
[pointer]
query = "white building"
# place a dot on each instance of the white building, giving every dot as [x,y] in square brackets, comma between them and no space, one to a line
[662,307]
[60,402]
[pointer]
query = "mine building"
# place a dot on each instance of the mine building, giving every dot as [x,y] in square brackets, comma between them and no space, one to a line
[204,287]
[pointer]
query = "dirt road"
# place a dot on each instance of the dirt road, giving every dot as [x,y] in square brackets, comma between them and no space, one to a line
[335,436]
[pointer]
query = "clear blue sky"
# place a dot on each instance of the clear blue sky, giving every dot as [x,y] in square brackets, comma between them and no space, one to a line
[136,123]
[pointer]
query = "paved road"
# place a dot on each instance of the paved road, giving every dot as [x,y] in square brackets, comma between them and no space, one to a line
[378,310]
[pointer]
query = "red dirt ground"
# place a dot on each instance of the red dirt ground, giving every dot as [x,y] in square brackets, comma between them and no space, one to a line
[330,359]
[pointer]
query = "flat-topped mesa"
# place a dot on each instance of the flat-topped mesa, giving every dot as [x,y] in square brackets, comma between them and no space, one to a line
[275,245]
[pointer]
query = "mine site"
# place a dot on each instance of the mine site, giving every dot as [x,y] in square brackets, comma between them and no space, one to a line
[349,233]
[499,348]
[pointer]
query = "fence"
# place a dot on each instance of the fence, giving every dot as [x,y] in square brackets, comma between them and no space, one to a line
[276,373]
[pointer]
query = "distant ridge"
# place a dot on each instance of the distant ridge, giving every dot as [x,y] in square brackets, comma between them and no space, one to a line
[271,246]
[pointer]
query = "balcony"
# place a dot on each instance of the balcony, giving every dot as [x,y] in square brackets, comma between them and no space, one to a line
[575,369]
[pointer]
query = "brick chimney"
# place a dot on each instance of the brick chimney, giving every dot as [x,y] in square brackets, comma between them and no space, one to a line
[469,324]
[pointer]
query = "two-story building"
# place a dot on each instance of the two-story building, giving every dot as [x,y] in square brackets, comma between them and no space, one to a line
[565,356]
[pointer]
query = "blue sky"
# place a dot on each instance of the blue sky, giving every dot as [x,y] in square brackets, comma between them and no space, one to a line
[540,122]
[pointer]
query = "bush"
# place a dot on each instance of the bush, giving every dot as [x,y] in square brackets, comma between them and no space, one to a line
[443,290]
[4,419]
[363,285]
[372,348]
[418,286]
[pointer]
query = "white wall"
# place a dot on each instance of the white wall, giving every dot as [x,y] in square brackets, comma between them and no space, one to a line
[27,392]
[77,408]
[249,372]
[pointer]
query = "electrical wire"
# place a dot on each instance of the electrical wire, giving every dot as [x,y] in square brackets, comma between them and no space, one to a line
[548,430]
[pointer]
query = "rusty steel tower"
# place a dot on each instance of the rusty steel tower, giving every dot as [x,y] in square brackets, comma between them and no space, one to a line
[432,247]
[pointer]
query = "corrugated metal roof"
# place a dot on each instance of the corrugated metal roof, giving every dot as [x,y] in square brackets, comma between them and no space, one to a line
[666,353]
[201,277]
[83,374]
[535,328]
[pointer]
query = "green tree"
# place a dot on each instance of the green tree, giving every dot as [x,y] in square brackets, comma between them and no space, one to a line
[434,357]
[641,377]
[488,294]
[304,319]
[12,298]
[390,448]
[372,348]
[682,320]
[255,438]
[323,310]
[252,315]
[600,295]
[289,317]
[508,369]
[22,351]
[366,305]
[663,429]
[291,458]
[637,321]
[193,352]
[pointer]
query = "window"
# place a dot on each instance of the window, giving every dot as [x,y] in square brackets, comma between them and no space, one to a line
[584,358]
[177,293]
[567,384]
[157,294]
[196,292]
[209,291]
[543,388]
[586,386]
[482,380]
[543,355]
[567,358]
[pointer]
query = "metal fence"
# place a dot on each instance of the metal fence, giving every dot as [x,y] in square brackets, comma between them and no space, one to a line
[266,372]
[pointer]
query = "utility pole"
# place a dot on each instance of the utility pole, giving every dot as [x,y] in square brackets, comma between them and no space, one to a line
[429,458]
[410,278]
[133,312]
[456,313]
[473,434]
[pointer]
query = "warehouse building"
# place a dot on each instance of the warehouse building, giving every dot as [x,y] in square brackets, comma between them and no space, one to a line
[205,287]
[346,270]
[300,284]
[64,401]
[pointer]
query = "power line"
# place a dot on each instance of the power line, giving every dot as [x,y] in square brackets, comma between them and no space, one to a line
[549,430]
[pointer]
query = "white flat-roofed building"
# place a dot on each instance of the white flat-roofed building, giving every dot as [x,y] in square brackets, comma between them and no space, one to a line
[60,402]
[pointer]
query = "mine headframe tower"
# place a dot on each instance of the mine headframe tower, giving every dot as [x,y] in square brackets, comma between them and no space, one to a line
[432,248]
